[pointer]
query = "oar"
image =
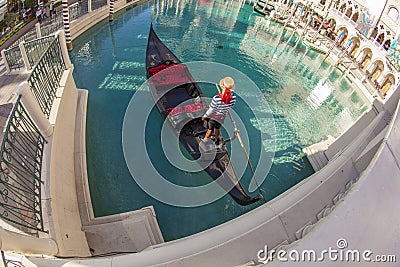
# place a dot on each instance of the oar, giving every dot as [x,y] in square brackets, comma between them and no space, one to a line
[237,133]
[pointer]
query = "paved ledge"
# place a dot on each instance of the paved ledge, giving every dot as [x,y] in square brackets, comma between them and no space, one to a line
[61,198]
[9,84]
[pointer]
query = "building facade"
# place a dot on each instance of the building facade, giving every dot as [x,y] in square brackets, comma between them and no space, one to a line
[371,35]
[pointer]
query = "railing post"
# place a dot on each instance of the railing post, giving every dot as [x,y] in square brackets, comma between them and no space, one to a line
[3,55]
[24,55]
[89,6]
[32,106]
[111,15]
[64,49]
[38,30]
[65,12]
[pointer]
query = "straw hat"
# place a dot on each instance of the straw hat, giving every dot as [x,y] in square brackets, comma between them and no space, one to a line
[227,82]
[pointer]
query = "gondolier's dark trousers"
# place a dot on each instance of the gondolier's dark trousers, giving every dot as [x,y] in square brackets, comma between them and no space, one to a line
[213,123]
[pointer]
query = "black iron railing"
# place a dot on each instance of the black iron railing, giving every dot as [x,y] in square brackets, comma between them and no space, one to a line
[46,75]
[14,58]
[35,49]
[20,172]
[51,25]
[51,28]
[78,9]
[98,4]
[30,35]
[55,22]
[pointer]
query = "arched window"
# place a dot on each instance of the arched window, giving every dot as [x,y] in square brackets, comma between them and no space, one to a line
[374,33]
[348,12]
[386,45]
[332,24]
[343,8]
[355,17]
[355,49]
[335,4]
[393,13]
[381,38]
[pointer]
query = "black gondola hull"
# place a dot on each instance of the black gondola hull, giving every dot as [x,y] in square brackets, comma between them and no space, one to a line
[180,101]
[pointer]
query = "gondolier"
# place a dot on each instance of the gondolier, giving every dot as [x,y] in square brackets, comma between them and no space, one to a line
[219,106]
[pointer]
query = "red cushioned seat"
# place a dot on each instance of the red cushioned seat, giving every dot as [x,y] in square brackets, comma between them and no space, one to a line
[169,74]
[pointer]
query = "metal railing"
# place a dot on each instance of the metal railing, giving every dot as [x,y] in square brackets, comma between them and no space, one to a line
[51,25]
[30,35]
[98,4]
[51,28]
[51,20]
[20,172]
[78,9]
[13,56]
[35,49]
[46,75]
[54,24]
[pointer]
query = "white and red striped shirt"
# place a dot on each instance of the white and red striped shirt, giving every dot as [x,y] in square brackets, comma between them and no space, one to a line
[218,108]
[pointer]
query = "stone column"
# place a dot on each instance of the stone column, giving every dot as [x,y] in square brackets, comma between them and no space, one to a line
[35,112]
[38,30]
[3,55]
[89,6]
[24,55]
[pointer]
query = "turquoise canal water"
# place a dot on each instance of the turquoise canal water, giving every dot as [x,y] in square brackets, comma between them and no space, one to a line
[309,99]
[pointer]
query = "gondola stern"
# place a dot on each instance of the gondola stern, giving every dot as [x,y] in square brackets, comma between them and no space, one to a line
[245,200]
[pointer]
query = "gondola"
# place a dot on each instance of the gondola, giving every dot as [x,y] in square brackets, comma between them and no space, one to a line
[179,100]
[263,8]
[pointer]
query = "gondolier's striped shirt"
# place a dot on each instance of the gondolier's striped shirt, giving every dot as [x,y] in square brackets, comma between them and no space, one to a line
[218,108]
